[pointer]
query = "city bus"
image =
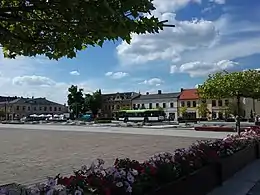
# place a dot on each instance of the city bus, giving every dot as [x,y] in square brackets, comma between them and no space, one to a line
[145,115]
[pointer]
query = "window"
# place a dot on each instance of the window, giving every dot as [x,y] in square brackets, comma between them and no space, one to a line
[220,103]
[24,107]
[29,108]
[45,108]
[50,108]
[40,108]
[17,107]
[157,105]
[171,105]
[214,115]
[113,107]
[150,105]
[164,105]
[226,102]
[55,108]
[194,104]
[134,106]
[34,108]
[138,106]
[143,106]
[188,104]
[214,104]
[182,103]
[109,107]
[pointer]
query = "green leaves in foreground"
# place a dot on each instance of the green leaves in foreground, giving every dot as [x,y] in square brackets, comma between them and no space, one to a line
[59,28]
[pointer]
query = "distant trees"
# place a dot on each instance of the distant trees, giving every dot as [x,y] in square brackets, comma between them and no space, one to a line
[183,110]
[203,110]
[80,103]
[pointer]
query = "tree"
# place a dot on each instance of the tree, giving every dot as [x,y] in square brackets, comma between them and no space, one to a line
[231,109]
[183,110]
[61,28]
[94,102]
[232,85]
[203,109]
[75,100]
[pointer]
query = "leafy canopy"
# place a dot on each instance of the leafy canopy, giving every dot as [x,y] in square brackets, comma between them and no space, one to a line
[58,28]
[233,84]
[75,100]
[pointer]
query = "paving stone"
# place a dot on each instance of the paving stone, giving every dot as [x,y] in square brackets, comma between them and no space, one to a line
[28,156]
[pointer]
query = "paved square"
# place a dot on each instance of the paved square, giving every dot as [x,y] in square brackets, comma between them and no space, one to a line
[28,156]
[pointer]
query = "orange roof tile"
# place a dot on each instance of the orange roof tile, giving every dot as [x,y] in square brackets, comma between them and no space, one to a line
[189,94]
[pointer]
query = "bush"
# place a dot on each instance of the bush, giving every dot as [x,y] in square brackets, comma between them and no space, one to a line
[102,121]
[105,119]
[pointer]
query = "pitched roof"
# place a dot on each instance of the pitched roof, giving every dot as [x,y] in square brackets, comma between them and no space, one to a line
[158,96]
[189,94]
[32,101]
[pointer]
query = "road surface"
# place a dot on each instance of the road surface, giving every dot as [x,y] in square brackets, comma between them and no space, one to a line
[30,153]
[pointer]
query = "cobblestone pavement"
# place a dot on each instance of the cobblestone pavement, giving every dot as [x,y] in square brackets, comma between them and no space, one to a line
[28,156]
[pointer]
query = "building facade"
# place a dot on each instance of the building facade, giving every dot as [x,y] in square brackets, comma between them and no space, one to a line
[23,107]
[167,101]
[188,99]
[114,102]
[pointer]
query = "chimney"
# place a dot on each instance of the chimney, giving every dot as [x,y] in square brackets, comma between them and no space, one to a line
[181,89]
[147,93]
[159,91]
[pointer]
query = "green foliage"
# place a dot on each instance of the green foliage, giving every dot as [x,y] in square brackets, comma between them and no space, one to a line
[103,121]
[93,102]
[183,110]
[61,28]
[75,100]
[228,85]
[233,110]
[2,113]
[125,108]
[203,109]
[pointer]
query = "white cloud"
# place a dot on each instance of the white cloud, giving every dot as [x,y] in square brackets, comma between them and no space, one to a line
[172,5]
[116,75]
[33,80]
[218,1]
[197,68]
[153,82]
[169,43]
[74,73]
[200,43]
[40,86]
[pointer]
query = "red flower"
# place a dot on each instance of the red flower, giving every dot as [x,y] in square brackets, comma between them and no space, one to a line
[107,191]
[152,170]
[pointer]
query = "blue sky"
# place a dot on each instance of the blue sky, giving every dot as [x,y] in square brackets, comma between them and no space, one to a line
[210,36]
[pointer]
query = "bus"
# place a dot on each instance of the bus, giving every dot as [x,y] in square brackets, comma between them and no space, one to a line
[145,115]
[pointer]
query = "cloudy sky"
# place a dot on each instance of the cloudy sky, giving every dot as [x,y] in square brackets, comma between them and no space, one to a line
[210,35]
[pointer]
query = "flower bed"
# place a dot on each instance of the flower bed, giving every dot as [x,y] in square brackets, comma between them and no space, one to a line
[217,128]
[200,168]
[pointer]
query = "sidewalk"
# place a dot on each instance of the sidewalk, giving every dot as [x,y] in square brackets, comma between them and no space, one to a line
[245,182]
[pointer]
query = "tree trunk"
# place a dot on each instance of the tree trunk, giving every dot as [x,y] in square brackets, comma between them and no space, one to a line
[253,106]
[238,116]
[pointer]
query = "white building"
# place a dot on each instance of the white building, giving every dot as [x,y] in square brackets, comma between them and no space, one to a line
[167,101]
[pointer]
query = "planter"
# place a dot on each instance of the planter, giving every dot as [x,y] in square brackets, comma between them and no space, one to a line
[230,165]
[257,149]
[216,128]
[200,182]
